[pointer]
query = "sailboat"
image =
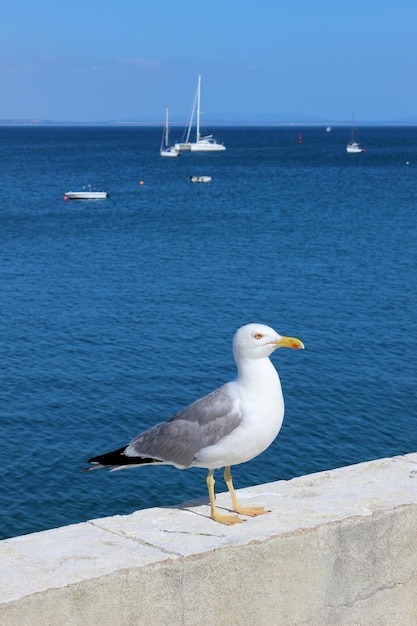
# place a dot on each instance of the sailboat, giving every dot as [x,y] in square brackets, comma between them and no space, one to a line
[167,150]
[205,143]
[353,146]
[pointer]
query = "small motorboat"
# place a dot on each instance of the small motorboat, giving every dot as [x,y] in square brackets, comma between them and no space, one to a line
[85,194]
[200,179]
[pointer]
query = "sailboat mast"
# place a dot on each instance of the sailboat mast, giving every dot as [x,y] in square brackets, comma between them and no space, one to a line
[190,125]
[198,109]
[166,127]
[353,127]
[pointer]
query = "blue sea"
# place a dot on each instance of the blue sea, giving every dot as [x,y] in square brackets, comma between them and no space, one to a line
[116,313]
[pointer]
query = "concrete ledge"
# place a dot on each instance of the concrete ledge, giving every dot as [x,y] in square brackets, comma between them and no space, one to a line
[338,548]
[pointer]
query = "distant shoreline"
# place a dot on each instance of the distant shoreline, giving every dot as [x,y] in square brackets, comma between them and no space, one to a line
[211,123]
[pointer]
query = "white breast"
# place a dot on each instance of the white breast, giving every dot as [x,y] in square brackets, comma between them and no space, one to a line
[261,404]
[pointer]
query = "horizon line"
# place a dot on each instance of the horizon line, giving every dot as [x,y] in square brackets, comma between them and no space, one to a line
[343,123]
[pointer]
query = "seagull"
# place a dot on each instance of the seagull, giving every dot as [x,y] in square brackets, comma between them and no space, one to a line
[230,425]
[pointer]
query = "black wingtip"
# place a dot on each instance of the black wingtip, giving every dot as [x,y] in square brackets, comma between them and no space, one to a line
[117,458]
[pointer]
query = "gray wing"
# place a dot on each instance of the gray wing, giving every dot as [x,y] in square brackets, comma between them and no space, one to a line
[201,424]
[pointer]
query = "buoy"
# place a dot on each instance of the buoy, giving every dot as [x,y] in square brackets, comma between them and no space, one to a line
[141,182]
[65,197]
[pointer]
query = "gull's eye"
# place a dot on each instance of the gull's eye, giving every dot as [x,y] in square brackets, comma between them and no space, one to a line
[258,336]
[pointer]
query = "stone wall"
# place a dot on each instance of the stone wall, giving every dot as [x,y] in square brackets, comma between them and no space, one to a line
[338,548]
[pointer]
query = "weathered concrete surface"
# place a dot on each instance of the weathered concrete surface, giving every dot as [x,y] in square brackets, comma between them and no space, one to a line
[338,548]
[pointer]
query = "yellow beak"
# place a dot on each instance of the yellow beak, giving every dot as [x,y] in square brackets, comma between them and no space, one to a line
[289,342]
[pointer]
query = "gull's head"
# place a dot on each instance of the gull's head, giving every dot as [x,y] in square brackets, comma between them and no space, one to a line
[257,341]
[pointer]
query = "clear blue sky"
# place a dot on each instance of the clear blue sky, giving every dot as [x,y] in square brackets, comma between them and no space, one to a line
[100,60]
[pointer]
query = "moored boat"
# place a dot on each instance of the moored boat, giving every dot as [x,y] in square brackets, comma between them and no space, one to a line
[353,146]
[167,150]
[85,194]
[200,179]
[202,143]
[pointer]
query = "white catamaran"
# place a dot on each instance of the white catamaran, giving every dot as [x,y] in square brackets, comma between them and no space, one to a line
[205,143]
[167,150]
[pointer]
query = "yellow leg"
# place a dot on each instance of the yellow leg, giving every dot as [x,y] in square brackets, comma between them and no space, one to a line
[223,519]
[250,511]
